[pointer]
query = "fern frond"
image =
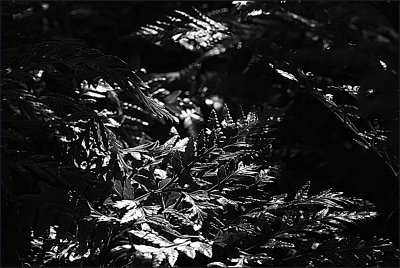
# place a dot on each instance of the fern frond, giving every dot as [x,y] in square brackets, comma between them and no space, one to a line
[78,63]
[345,251]
[196,33]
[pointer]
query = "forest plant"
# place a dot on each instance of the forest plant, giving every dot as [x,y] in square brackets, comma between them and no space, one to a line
[84,184]
[289,43]
[296,55]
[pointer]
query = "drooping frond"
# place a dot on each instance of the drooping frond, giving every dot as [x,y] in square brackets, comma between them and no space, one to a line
[70,63]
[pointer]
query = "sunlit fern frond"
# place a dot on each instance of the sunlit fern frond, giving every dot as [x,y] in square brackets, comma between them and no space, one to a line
[196,32]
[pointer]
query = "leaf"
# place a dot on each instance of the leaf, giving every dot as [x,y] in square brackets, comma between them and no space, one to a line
[225,201]
[351,217]
[127,204]
[132,214]
[322,213]
[172,256]
[152,237]
[216,264]
[176,163]
[118,187]
[146,179]
[200,142]
[302,194]
[278,199]
[144,248]
[167,146]
[203,248]
[287,75]
[221,173]
[177,218]
[164,182]
[189,150]
[274,243]
[226,117]
[181,145]
[128,192]
[213,121]
[212,139]
[187,250]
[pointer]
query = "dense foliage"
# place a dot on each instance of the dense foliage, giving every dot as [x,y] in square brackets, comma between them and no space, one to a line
[234,150]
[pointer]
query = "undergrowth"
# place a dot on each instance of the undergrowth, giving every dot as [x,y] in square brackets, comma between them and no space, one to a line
[84,183]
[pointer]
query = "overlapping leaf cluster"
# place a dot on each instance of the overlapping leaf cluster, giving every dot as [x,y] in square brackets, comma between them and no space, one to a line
[84,184]
[331,60]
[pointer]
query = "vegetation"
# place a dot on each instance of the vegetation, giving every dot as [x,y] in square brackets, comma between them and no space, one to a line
[219,137]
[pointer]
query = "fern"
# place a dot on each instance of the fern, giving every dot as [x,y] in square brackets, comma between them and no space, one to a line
[345,252]
[80,64]
[203,210]
[86,184]
[198,32]
[258,26]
